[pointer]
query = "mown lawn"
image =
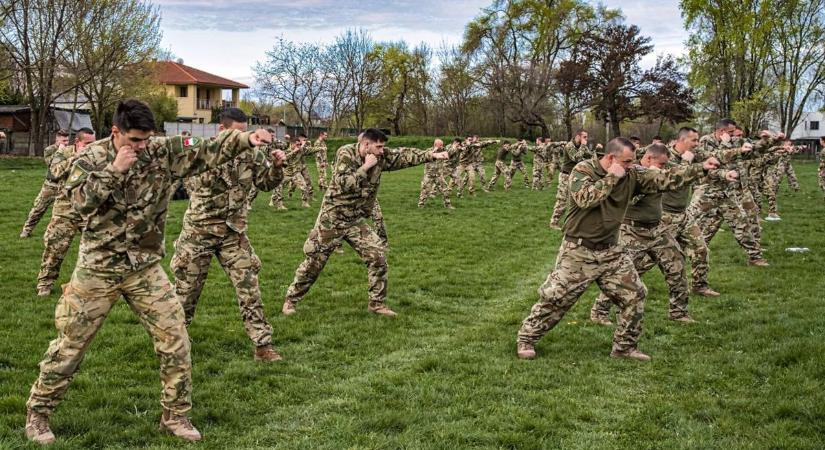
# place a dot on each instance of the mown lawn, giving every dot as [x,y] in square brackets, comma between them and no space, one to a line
[443,374]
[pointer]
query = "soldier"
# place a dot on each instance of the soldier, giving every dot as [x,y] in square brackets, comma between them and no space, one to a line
[574,152]
[477,150]
[821,171]
[517,152]
[65,222]
[501,167]
[276,144]
[648,241]
[539,163]
[294,174]
[348,202]
[302,168]
[215,225]
[121,187]
[600,192]
[716,201]
[433,181]
[48,191]
[781,167]
[321,160]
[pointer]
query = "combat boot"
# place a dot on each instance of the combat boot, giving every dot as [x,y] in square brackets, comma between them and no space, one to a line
[178,425]
[266,353]
[305,205]
[381,309]
[37,428]
[289,308]
[44,291]
[632,354]
[25,234]
[525,351]
[600,320]
[686,319]
[705,292]
[761,262]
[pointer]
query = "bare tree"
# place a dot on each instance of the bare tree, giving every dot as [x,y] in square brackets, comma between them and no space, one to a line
[337,85]
[355,47]
[456,87]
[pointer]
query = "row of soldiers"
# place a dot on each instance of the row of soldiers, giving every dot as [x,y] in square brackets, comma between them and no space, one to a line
[117,191]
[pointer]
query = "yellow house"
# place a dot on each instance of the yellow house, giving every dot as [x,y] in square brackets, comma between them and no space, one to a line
[196,91]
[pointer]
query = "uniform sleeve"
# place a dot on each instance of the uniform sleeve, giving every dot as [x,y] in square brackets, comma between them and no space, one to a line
[61,163]
[91,181]
[348,174]
[192,156]
[401,158]
[587,192]
[652,181]
[267,175]
[48,154]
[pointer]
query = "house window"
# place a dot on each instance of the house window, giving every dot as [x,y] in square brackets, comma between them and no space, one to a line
[183,91]
[814,125]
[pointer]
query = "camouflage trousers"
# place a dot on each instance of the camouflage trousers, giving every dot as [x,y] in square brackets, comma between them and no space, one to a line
[48,192]
[194,249]
[756,183]
[304,171]
[82,309]
[378,222]
[322,173]
[710,207]
[251,196]
[56,243]
[648,247]
[320,244]
[295,179]
[774,180]
[458,179]
[576,268]
[431,185]
[562,194]
[538,173]
[821,176]
[692,243]
[515,168]
[500,169]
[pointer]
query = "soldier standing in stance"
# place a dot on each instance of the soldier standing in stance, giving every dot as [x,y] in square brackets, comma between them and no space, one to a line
[821,172]
[348,202]
[573,153]
[48,191]
[517,151]
[121,186]
[539,162]
[434,178]
[215,224]
[321,160]
[65,222]
[600,192]
[501,167]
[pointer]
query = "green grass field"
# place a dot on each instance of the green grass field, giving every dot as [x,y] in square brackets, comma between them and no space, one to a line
[443,374]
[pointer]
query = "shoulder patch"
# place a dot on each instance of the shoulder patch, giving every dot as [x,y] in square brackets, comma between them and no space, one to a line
[191,141]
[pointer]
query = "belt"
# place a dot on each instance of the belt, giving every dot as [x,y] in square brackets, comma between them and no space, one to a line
[634,223]
[586,243]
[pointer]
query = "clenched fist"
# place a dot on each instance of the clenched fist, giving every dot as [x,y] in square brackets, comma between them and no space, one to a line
[278,157]
[710,164]
[732,175]
[369,161]
[688,156]
[440,155]
[617,170]
[125,158]
[260,137]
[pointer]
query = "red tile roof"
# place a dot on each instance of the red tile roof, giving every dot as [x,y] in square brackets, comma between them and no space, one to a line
[170,72]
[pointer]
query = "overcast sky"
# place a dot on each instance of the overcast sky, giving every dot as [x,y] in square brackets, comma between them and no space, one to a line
[227,37]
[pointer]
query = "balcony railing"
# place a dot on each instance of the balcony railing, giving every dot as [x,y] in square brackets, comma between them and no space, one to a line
[209,104]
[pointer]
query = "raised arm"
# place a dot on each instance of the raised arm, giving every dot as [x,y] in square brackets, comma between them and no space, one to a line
[268,170]
[586,192]
[93,178]
[191,156]
[403,157]
[652,181]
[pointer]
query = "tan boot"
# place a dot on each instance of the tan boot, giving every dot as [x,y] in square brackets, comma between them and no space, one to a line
[601,320]
[761,262]
[706,292]
[382,310]
[266,353]
[289,308]
[44,291]
[684,319]
[25,234]
[305,205]
[632,354]
[179,426]
[37,428]
[525,351]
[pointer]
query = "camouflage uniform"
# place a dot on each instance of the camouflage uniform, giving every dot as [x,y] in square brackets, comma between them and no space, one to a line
[64,224]
[48,192]
[589,252]
[434,181]
[302,169]
[215,224]
[718,201]
[570,155]
[821,171]
[781,168]
[477,150]
[253,191]
[348,202]
[294,168]
[501,167]
[539,163]
[321,163]
[517,151]
[464,167]
[120,253]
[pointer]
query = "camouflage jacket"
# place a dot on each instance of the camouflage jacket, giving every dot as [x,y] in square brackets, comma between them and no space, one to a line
[518,150]
[124,214]
[351,193]
[217,198]
[295,158]
[477,150]
[61,163]
[48,154]
[503,151]
[599,200]
[573,154]
[321,151]
[539,152]
[436,168]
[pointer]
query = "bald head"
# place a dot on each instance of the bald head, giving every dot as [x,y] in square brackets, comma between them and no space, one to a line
[438,143]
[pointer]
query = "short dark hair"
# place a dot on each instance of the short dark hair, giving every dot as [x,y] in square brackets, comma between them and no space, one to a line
[457,140]
[580,131]
[724,123]
[302,135]
[62,133]
[657,138]
[617,146]
[86,130]
[685,132]
[822,139]
[635,138]
[374,135]
[133,114]
[656,150]
[230,115]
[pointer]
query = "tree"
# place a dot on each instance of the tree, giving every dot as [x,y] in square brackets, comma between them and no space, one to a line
[401,73]
[456,87]
[336,99]
[292,74]
[573,84]
[614,53]
[354,47]
[668,98]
